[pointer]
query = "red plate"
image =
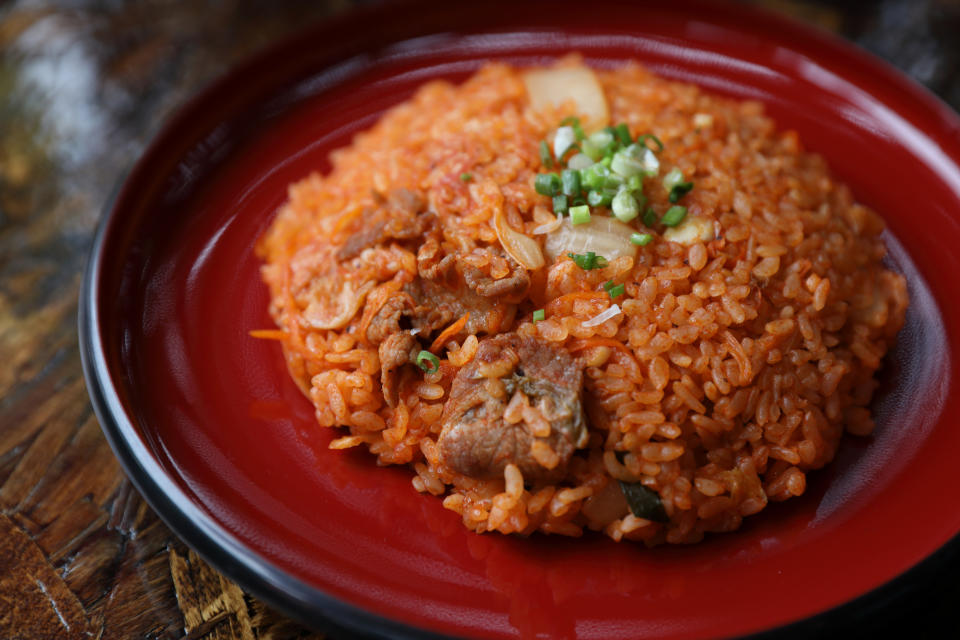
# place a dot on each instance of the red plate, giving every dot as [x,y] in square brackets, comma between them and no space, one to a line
[223,445]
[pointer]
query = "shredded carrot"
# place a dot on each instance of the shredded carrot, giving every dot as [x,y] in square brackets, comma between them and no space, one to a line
[268,334]
[449,332]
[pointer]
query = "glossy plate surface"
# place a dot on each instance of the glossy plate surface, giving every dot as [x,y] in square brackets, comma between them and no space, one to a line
[221,442]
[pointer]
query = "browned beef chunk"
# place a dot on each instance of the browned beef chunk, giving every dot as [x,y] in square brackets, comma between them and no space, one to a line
[398,218]
[518,395]
[514,284]
[387,320]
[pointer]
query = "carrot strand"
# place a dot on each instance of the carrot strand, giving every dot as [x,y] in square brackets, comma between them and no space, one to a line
[449,332]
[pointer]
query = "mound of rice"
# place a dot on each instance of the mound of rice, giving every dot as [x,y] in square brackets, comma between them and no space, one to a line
[743,345]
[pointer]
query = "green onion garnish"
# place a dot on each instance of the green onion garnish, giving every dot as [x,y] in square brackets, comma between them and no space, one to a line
[635,183]
[547,184]
[580,214]
[603,198]
[635,160]
[428,362]
[674,183]
[598,144]
[623,134]
[588,260]
[614,290]
[625,206]
[641,239]
[466,177]
[560,204]
[570,182]
[594,177]
[672,179]
[649,136]
[573,121]
[674,216]
[680,190]
[539,315]
[649,217]
[545,158]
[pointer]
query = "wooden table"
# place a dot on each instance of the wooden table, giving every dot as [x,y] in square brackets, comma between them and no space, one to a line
[83,87]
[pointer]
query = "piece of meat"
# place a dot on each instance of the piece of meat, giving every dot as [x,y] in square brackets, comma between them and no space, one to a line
[386,322]
[517,402]
[514,284]
[395,351]
[432,264]
[397,218]
[438,306]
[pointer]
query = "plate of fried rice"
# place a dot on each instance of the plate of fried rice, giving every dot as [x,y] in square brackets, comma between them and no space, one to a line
[525,323]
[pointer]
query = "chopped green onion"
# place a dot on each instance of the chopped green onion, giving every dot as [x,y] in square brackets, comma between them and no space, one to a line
[591,150]
[598,144]
[607,161]
[588,260]
[623,134]
[581,214]
[545,158]
[428,362]
[641,200]
[601,198]
[672,179]
[570,180]
[674,216]
[603,138]
[649,217]
[579,161]
[613,181]
[539,315]
[674,183]
[573,121]
[578,201]
[635,183]
[680,190]
[641,239]
[642,140]
[560,204]
[466,177]
[625,206]
[547,184]
[594,177]
[614,290]
[635,160]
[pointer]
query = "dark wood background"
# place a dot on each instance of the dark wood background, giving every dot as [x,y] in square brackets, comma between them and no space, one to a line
[84,85]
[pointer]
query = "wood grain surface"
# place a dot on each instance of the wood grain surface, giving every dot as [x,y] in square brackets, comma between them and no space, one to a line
[84,84]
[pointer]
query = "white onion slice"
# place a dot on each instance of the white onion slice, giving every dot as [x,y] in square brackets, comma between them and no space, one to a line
[603,316]
[547,227]
[579,84]
[521,247]
[605,236]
